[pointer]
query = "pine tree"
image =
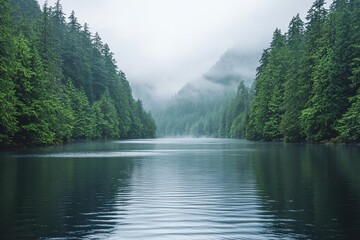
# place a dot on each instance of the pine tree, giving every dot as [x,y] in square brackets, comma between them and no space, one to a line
[259,107]
[58,82]
[276,75]
[348,126]
[50,49]
[331,76]
[241,107]
[294,98]
[84,118]
[8,101]
[107,124]
[267,109]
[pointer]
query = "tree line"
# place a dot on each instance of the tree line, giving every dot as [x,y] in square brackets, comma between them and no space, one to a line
[192,116]
[58,81]
[307,86]
[200,108]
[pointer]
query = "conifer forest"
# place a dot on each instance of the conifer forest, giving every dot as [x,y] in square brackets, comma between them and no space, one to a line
[59,81]
[307,86]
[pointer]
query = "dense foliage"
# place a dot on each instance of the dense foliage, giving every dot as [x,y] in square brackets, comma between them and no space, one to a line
[307,86]
[59,82]
[212,112]
[188,116]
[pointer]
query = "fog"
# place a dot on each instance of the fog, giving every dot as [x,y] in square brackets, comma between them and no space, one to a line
[162,44]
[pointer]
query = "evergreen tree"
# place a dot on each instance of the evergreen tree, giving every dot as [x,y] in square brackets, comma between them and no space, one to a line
[276,75]
[267,109]
[57,82]
[107,123]
[331,77]
[42,118]
[84,118]
[50,49]
[294,96]
[259,107]
[8,101]
[321,85]
[240,106]
[349,125]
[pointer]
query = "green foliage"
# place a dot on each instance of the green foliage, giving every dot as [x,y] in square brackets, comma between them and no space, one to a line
[192,117]
[58,83]
[295,95]
[349,124]
[307,83]
[8,101]
[106,118]
[202,107]
[267,109]
[30,88]
[43,117]
[84,118]
[236,114]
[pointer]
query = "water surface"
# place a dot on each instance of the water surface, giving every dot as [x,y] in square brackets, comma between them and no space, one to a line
[181,189]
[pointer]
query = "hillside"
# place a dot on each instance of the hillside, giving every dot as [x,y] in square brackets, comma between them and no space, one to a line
[197,109]
[59,81]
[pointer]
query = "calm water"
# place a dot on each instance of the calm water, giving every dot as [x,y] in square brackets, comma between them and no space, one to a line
[181,189]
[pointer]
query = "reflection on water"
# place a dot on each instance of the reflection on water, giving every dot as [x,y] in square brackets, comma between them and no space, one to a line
[181,189]
[316,187]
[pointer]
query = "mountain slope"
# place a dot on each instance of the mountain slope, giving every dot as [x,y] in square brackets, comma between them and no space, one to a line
[58,81]
[198,107]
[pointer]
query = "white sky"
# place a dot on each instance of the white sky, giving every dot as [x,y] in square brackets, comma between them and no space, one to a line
[166,43]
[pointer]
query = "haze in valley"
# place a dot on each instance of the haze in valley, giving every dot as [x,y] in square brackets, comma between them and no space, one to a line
[161,45]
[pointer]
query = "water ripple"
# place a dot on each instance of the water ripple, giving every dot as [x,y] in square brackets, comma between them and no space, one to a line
[173,189]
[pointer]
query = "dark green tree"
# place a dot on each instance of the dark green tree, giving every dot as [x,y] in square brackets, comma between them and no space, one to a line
[84,118]
[58,82]
[43,119]
[240,107]
[294,96]
[8,101]
[331,73]
[107,123]
[267,108]
[349,125]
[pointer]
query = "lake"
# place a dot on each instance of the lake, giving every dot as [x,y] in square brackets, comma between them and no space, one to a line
[181,189]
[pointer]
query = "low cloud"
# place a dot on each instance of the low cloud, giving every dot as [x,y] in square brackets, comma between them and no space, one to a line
[166,43]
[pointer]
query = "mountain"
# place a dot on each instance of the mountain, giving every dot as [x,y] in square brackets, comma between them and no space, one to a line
[233,67]
[197,108]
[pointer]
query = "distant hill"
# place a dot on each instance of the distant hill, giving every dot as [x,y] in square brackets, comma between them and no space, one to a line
[197,108]
[224,76]
[233,66]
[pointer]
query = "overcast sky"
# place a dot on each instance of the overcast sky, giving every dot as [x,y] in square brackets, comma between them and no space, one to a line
[166,43]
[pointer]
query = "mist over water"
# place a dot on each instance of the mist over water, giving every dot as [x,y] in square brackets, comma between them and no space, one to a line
[180,189]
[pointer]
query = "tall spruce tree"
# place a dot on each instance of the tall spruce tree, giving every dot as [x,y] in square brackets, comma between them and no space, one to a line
[294,96]
[267,107]
[259,107]
[57,82]
[349,125]
[8,101]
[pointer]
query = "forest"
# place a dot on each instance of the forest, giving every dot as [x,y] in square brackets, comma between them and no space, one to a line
[306,89]
[60,82]
[307,86]
[202,107]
